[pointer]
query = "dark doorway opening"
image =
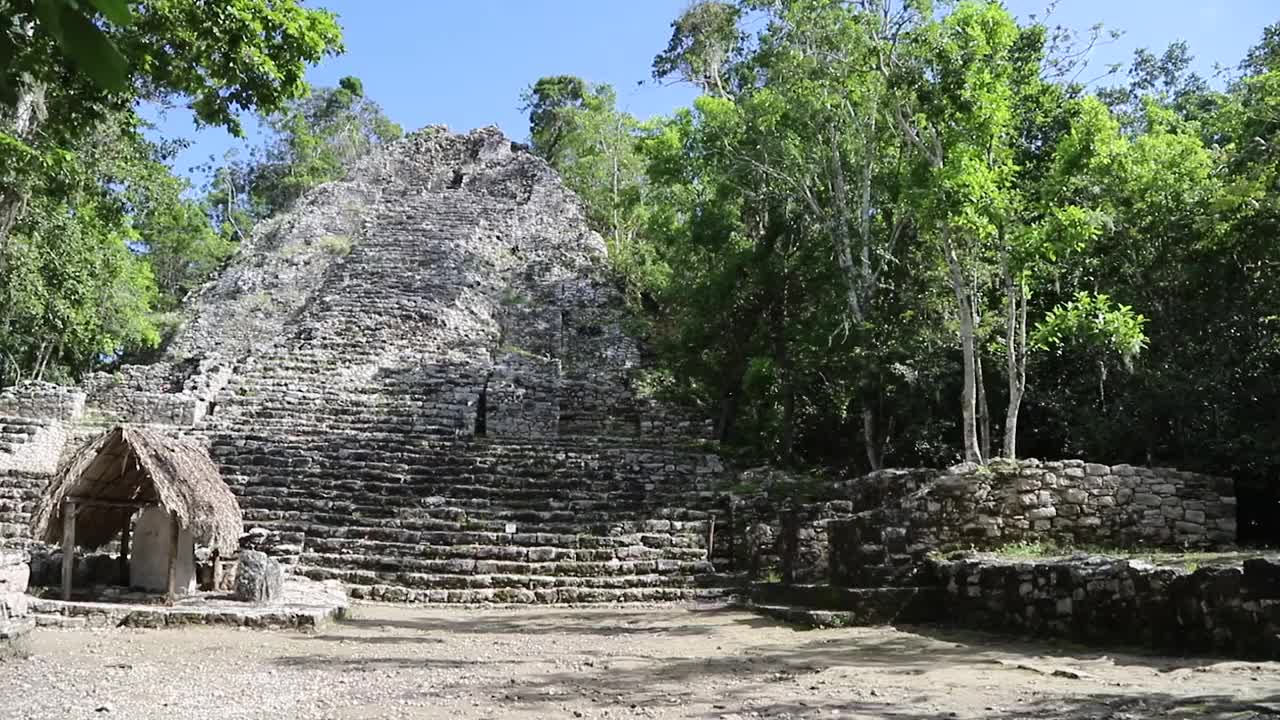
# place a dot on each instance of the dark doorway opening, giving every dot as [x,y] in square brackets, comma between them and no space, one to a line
[1258,512]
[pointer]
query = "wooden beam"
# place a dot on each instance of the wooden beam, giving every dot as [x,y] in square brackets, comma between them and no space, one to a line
[68,546]
[173,557]
[122,563]
[94,502]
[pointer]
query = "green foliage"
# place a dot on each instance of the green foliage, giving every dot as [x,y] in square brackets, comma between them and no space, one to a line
[337,245]
[1096,321]
[98,240]
[803,241]
[312,140]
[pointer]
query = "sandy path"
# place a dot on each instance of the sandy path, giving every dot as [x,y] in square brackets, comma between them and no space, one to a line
[401,662]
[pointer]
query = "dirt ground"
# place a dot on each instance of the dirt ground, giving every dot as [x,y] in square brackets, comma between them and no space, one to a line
[656,662]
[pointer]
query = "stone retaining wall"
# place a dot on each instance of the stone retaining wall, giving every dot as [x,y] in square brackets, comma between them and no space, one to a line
[877,530]
[165,393]
[1229,610]
[13,599]
[42,401]
[902,516]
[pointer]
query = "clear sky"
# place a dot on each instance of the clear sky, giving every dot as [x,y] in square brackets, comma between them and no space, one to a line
[464,63]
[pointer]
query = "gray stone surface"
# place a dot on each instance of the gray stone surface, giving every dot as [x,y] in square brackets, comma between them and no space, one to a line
[14,606]
[259,578]
[1222,609]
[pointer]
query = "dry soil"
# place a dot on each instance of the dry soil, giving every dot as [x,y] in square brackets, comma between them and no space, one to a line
[652,662]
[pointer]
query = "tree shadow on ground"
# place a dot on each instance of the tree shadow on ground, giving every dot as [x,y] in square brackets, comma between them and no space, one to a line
[977,640]
[1099,706]
[780,675]
[593,621]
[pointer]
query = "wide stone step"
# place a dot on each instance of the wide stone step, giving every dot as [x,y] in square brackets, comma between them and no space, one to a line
[378,504]
[527,596]
[831,606]
[517,546]
[452,519]
[564,523]
[467,572]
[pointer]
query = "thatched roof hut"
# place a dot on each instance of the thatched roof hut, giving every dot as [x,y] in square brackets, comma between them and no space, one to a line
[128,467]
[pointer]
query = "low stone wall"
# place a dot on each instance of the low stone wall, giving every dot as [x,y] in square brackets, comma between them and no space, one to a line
[877,530]
[1228,610]
[164,393]
[42,401]
[902,516]
[13,599]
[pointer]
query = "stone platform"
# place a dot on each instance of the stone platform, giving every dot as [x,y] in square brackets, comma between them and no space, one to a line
[305,605]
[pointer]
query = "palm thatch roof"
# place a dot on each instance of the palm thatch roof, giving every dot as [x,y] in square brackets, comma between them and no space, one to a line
[131,465]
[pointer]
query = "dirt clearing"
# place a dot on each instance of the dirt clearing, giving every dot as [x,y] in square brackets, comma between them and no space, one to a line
[656,662]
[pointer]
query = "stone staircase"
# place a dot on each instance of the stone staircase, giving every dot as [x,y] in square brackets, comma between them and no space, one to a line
[474,520]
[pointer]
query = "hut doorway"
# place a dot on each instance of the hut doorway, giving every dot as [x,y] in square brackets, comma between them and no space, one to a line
[126,470]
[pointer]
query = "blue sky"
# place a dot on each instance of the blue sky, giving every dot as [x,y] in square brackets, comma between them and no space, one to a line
[464,64]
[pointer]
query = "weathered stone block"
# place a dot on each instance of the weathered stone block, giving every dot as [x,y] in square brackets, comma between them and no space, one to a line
[258,577]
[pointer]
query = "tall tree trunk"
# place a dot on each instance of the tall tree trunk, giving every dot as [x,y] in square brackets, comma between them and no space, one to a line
[870,437]
[782,356]
[28,114]
[968,393]
[1015,339]
[984,413]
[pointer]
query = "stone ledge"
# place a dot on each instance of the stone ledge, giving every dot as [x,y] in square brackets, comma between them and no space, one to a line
[304,605]
[847,606]
[1231,610]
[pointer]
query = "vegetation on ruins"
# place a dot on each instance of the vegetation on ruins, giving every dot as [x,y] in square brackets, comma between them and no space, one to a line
[876,209]
[886,233]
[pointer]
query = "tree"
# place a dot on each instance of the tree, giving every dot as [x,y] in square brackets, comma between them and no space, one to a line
[88,208]
[577,128]
[222,58]
[316,139]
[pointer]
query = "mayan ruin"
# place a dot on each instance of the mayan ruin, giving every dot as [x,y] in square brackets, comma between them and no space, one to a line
[892,369]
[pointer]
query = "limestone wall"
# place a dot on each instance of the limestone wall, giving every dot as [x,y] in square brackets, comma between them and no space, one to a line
[42,401]
[14,574]
[1223,610]
[902,516]
[522,397]
[878,529]
[164,393]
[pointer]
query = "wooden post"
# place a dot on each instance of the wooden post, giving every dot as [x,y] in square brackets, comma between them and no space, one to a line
[711,541]
[122,563]
[173,557]
[68,546]
[217,570]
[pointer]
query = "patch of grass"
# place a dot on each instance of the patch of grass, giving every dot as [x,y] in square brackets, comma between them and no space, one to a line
[1028,549]
[336,245]
[513,350]
[511,296]
[1190,561]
